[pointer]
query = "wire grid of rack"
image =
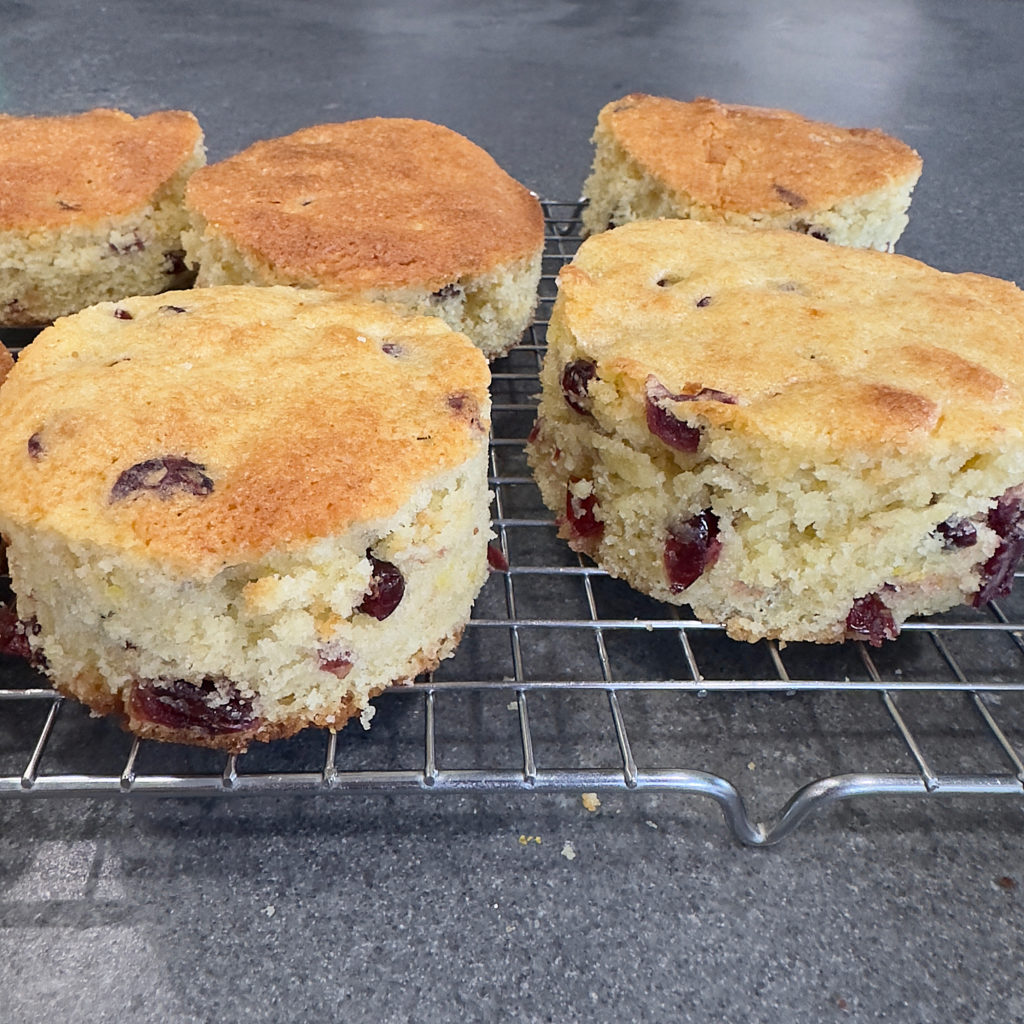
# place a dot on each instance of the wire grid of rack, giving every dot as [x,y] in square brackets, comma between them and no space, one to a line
[566,680]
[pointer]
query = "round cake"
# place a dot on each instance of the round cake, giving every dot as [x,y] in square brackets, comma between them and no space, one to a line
[235,512]
[753,167]
[91,209]
[799,440]
[382,208]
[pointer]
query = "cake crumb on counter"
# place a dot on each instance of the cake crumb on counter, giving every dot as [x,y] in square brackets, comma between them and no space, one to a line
[590,801]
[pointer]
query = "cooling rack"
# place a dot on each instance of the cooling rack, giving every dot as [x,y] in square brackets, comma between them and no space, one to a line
[568,681]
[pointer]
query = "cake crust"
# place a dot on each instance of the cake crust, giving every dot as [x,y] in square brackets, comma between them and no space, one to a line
[745,158]
[230,369]
[790,324]
[79,169]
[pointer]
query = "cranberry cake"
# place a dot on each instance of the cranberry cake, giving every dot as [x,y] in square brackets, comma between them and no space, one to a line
[798,440]
[234,512]
[91,209]
[748,166]
[383,208]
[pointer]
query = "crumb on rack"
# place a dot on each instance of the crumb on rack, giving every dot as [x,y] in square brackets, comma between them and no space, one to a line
[590,801]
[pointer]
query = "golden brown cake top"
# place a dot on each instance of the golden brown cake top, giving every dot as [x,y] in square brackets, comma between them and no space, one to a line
[376,203]
[207,427]
[79,168]
[754,159]
[6,362]
[815,347]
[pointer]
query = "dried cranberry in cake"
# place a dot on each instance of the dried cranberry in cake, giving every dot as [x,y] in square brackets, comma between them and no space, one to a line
[957,533]
[576,378]
[122,314]
[534,431]
[36,448]
[691,548]
[14,634]
[676,433]
[466,407]
[870,619]
[580,514]
[496,558]
[1005,518]
[163,477]
[135,244]
[208,707]
[789,197]
[386,590]
[337,663]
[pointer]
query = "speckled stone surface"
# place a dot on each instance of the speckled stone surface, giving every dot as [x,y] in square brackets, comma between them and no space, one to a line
[527,906]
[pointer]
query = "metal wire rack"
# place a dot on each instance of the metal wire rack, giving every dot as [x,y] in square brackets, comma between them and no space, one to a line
[566,680]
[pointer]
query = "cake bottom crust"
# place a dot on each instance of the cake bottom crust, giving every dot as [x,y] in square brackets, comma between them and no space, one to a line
[91,690]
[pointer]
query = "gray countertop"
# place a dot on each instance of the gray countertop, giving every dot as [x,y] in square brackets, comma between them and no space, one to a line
[512,905]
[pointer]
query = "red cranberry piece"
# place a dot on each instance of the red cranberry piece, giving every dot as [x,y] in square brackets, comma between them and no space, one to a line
[871,620]
[789,197]
[36,448]
[691,548]
[14,634]
[534,432]
[997,573]
[163,476]
[122,314]
[704,301]
[392,348]
[675,432]
[387,588]
[467,407]
[576,378]
[135,245]
[580,514]
[177,704]
[339,665]
[957,533]
[496,558]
